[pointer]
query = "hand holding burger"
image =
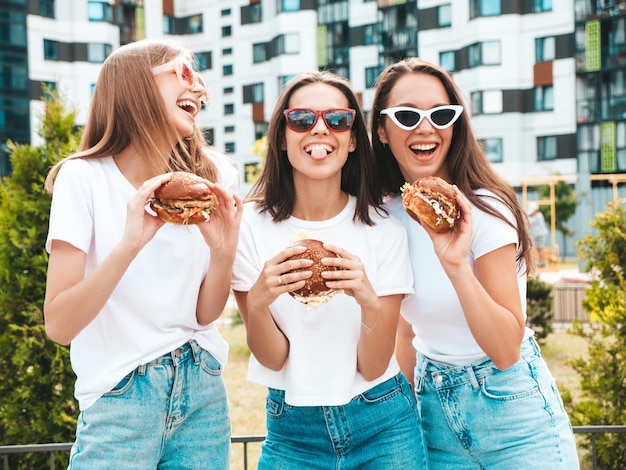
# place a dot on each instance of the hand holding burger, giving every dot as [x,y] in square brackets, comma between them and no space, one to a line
[431,200]
[184,199]
[315,292]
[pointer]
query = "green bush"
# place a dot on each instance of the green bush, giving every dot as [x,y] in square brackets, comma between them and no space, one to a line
[539,310]
[603,372]
[36,390]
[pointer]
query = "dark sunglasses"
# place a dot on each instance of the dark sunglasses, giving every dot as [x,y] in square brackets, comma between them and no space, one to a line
[408,119]
[302,120]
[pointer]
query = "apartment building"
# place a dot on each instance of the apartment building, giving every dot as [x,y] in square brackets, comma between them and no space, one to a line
[545,81]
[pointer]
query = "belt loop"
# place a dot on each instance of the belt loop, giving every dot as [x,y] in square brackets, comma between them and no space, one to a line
[195,351]
[535,344]
[141,370]
[472,376]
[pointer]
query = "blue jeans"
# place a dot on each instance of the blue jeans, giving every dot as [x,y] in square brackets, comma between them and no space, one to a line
[379,430]
[171,413]
[480,417]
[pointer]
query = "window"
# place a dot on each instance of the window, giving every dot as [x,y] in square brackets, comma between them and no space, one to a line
[446,60]
[287,44]
[100,11]
[484,8]
[486,102]
[259,53]
[493,149]
[546,148]
[544,49]
[484,53]
[50,49]
[194,24]
[225,12]
[371,75]
[228,90]
[227,51]
[252,13]
[227,70]
[204,61]
[544,98]
[227,31]
[542,5]
[444,15]
[229,129]
[46,8]
[288,5]
[253,93]
[97,53]
[229,108]
[48,89]
[229,147]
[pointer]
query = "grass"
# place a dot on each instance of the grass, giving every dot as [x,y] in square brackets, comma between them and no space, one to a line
[247,399]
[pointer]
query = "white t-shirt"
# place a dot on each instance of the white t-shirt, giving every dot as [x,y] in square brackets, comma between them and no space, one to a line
[153,308]
[441,330]
[321,367]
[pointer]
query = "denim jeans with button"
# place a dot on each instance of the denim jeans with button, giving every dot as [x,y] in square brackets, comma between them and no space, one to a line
[479,417]
[377,430]
[170,414]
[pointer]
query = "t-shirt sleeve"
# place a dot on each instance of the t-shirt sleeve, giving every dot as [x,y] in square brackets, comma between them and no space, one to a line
[246,267]
[71,214]
[490,232]
[229,175]
[395,275]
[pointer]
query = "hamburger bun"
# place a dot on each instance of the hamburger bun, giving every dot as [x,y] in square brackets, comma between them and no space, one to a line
[315,292]
[431,200]
[185,199]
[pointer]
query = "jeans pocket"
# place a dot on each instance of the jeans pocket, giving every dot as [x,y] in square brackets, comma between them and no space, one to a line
[123,385]
[514,383]
[274,404]
[209,364]
[381,392]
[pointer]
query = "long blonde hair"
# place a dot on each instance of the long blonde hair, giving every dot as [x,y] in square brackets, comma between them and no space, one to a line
[127,109]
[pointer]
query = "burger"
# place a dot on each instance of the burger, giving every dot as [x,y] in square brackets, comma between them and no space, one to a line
[431,200]
[315,292]
[185,199]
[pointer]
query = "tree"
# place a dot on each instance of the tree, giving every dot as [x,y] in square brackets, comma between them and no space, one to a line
[603,372]
[36,390]
[564,206]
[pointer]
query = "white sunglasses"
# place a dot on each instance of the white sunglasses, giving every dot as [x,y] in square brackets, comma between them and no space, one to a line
[441,117]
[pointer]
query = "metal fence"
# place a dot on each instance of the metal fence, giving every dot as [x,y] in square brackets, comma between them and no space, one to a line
[52,449]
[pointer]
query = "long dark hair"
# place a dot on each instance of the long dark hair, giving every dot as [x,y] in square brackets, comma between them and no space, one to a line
[466,163]
[274,191]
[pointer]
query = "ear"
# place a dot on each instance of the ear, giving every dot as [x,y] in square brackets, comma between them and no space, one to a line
[283,145]
[381,135]
[352,147]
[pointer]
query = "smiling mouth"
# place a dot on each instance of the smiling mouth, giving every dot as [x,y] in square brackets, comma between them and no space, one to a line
[318,151]
[425,149]
[189,106]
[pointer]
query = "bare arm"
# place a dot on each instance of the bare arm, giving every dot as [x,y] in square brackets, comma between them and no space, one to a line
[221,233]
[266,341]
[405,352]
[72,300]
[379,315]
[490,298]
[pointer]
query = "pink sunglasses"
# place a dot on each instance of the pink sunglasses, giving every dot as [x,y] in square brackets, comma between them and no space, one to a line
[186,74]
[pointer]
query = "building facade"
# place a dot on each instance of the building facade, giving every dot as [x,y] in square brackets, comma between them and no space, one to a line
[545,81]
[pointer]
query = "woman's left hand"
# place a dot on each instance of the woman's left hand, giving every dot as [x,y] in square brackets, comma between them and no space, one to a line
[221,231]
[351,278]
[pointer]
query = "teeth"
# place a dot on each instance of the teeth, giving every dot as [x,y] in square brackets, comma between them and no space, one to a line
[189,106]
[310,148]
[424,147]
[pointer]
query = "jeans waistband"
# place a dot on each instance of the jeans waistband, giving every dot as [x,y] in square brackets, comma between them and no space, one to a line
[446,375]
[189,350]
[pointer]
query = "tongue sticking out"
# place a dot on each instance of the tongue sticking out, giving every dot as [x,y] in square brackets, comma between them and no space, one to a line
[318,153]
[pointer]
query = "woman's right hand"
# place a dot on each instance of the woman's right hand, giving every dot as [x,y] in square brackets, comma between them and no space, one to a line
[276,277]
[141,226]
